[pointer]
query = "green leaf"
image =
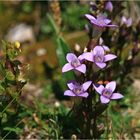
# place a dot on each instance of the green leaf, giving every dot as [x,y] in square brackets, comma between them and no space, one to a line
[99,109]
[2,70]
[52,22]
[10,75]
[12,53]
[4,118]
[1,89]
[17,130]
[61,51]
[4,46]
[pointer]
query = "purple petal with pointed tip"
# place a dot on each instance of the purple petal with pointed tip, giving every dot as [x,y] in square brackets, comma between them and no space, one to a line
[129,22]
[106,48]
[99,89]
[104,100]
[90,17]
[100,65]
[85,94]
[123,19]
[70,85]
[117,96]
[98,24]
[88,56]
[111,85]
[69,93]
[81,68]
[67,67]
[113,26]
[107,21]
[81,57]
[98,50]
[70,57]
[109,57]
[86,85]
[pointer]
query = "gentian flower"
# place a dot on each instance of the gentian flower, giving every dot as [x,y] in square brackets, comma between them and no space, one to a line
[101,21]
[127,22]
[98,56]
[78,90]
[107,92]
[74,63]
[109,6]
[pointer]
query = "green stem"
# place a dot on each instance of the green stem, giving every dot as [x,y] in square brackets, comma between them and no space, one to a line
[10,130]
[107,131]
[8,105]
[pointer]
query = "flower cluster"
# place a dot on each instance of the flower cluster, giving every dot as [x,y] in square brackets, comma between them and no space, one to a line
[99,56]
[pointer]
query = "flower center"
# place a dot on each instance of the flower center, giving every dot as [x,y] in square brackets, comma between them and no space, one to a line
[99,58]
[101,22]
[75,63]
[78,89]
[107,93]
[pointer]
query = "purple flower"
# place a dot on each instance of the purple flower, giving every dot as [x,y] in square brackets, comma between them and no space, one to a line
[109,6]
[101,21]
[74,63]
[107,92]
[98,56]
[127,22]
[78,90]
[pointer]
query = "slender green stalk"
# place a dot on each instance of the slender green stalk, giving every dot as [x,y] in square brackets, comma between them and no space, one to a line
[8,105]
[10,130]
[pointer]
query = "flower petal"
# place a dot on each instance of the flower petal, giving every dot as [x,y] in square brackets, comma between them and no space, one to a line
[98,24]
[81,68]
[69,93]
[67,67]
[111,85]
[70,85]
[109,6]
[81,57]
[113,26]
[70,57]
[98,50]
[123,19]
[99,89]
[100,65]
[129,22]
[117,96]
[85,94]
[86,85]
[88,56]
[106,48]
[107,21]
[90,17]
[109,57]
[104,100]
